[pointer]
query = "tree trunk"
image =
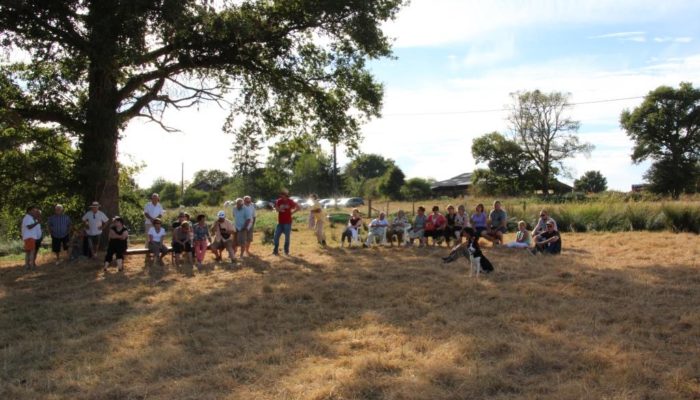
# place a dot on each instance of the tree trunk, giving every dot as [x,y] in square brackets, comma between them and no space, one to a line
[98,172]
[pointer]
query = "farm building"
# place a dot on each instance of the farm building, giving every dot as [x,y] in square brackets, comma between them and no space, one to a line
[454,187]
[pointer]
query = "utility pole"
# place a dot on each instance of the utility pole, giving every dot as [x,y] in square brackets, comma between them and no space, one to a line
[182,183]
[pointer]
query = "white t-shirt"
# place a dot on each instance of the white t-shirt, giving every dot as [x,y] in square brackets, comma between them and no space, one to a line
[33,233]
[153,210]
[96,221]
[156,236]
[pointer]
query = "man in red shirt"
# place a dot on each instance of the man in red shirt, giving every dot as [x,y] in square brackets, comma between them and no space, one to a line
[285,207]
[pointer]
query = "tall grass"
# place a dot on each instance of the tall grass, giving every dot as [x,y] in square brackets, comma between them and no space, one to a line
[617,217]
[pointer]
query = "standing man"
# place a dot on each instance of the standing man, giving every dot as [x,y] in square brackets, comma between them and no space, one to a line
[152,210]
[248,203]
[59,228]
[95,221]
[243,221]
[285,208]
[31,235]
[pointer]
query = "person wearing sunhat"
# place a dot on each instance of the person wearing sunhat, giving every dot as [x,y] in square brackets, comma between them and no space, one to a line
[224,237]
[94,220]
[285,207]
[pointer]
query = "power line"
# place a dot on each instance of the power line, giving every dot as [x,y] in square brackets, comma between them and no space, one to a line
[503,108]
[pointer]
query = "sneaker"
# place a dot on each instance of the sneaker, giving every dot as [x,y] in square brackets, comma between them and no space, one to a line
[274,253]
[323,243]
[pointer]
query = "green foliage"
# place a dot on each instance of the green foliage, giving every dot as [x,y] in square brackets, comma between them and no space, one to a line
[510,172]
[312,174]
[591,182]
[36,165]
[416,188]
[210,180]
[666,129]
[297,66]
[194,197]
[362,175]
[391,183]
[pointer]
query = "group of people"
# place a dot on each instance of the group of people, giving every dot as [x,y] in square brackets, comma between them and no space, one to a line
[191,239]
[451,228]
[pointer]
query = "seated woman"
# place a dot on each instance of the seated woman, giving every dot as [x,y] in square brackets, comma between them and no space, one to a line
[201,238]
[352,230]
[478,220]
[435,226]
[182,241]
[522,237]
[541,225]
[461,222]
[548,242]
[399,228]
[451,228]
[418,229]
[156,233]
[118,235]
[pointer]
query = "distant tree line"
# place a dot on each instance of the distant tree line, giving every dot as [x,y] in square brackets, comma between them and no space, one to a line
[665,129]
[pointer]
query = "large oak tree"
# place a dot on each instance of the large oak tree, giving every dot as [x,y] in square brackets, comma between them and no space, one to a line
[666,129]
[88,67]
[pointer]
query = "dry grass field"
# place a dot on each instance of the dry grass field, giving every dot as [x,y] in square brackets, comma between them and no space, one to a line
[616,316]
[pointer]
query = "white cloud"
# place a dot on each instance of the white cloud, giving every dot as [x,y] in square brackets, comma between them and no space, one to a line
[639,37]
[441,22]
[618,35]
[680,39]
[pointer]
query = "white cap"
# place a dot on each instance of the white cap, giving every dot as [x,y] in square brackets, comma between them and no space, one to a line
[221,214]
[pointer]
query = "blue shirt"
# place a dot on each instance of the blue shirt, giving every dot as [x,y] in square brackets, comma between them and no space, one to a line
[59,225]
[241,215]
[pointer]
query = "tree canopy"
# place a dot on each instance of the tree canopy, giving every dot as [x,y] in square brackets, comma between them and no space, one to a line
[544,132]
[591,182]
[666,129]
[89,67]
[510,171]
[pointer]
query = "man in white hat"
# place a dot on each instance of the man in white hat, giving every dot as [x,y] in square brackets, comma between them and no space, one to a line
[224,237]
[94,220]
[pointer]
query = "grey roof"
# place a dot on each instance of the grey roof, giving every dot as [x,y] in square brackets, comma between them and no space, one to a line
[464,179]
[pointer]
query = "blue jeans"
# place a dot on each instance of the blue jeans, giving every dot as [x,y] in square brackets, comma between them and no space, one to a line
[279,230]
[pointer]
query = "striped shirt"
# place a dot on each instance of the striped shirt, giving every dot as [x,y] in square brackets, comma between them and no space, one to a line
[59,225]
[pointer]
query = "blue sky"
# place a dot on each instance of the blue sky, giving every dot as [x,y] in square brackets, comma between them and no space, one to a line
[457,57]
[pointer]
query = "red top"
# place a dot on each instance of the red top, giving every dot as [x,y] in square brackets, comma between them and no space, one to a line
[284,206]
[435,222]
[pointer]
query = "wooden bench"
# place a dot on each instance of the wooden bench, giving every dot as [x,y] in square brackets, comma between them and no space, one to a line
[143,250]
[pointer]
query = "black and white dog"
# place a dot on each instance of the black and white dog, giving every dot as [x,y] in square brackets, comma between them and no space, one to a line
[470,250]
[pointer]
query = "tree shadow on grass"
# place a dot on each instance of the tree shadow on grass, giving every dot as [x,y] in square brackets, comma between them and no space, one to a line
[383,324]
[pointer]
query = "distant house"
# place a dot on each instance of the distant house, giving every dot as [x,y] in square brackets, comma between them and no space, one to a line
[558,187]
[453,187]
[640,187]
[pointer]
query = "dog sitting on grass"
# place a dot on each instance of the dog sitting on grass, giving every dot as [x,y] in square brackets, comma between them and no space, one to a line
[470,249]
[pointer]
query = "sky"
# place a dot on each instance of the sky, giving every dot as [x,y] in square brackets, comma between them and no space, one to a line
[458,61]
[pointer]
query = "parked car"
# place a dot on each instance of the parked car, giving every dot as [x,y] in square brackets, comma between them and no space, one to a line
[264,204]
[331,203]
[352,202]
